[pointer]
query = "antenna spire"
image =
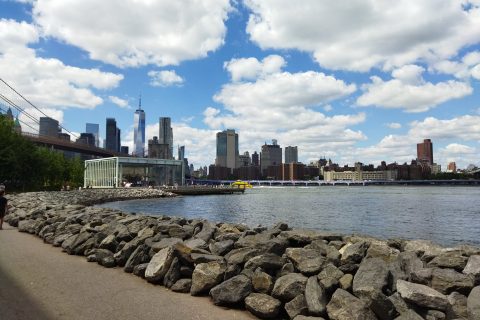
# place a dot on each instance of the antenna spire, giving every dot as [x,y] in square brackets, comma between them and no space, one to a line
[140,101]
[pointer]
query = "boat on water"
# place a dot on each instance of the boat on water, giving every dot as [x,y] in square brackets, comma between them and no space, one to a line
[241,184]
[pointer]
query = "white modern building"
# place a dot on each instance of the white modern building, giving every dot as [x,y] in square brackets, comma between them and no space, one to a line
[139,131]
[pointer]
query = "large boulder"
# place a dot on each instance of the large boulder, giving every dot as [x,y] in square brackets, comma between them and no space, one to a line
[208,229]
[422,295]
[241,255]
[182,285]
[454,260]
[473,267]
[262,282]
[297,306]
[307,261]
[232,292]
[289,286]
[371,277]
[473,304]
[206,276]
[345,306]
[139,256]
[448,280]
[315,297]
[159,265]
[353,253]
[263,305]
[173,273]
[269,262]
[221,247]
[458,303]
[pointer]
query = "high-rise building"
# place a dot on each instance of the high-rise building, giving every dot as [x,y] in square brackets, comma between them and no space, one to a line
[425,151]
[111,135]
[244,159]
[119,139]
[166,134]
[452,167]
[139,131]
[158,150]
[124,149]
[291,154]
[255,159]
[86,138]
[271,155]
[49,127]
[227,149]
[94,129]
[181,152]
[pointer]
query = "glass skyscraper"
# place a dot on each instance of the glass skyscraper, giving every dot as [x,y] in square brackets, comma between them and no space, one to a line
[166,134]
[112,135]
[94,129]
[139,131]
[227,149]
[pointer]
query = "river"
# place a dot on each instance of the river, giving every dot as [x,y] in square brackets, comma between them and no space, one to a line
[445,215]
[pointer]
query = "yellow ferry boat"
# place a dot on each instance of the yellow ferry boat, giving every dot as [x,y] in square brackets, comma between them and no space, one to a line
[241,184]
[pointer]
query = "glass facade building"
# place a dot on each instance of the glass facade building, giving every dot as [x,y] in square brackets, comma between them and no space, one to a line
[166,134]
[139,133]
[111,135]
[116,172]
[227,149]
[94,129]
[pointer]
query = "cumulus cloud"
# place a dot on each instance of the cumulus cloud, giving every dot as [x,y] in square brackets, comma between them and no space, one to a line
[165,78]
[466,128]
[251,68]
[122,103]
[135,33]
[409,91]
[48,82]
[30,117]
[366,34]
[394,125]
[463,69]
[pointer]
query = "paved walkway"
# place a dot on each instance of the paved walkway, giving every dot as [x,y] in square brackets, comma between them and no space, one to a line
[38,281]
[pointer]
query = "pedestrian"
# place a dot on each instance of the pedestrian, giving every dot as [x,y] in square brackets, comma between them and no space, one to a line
[3,205]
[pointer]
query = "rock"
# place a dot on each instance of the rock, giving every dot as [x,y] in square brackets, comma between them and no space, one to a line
[453,260]
[330,284]
[422,276]
[231,292]
[263,306]
[315,297]
[139,270]
[426,248]
[458,303]
[262,282]
[269,262]
[383,308]
[330,271]
[177,231]
[422,296]
[302,317]
[156,246]
[182,286]
[300,237]
[473,267]
[203,258]
[473,304]
[382,250]
[173,273]
[409,315]
[159,265]
[398,303]
[346,282]
[206,276]
[139,256]
[241,255]
[297,306]
[448,280]
[73,242]
[207,232]
[354,253]
[435,315]
[403,266]
[289,286]
[307,261]
[195,243]
[222,247]
[286,269]
[371,277]
[345,306]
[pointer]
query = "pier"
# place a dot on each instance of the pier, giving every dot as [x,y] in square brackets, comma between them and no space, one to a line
[203,190]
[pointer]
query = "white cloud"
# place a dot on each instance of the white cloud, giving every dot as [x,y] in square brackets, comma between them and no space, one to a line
[165,78]
[251,68]
[409,91]
[394,125]
[464,69]
[466,128]
[458,149]
[48,82]
[136,32]
[32,126]
[476,72]
[328,108]
[366,34]
[122,103]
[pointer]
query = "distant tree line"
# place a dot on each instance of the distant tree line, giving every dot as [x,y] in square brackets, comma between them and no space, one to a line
[26,167]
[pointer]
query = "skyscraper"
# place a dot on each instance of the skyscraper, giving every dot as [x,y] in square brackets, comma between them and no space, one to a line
[111,135]
[255,159]
[181,152]
[94,129]
[139,131]
[166,134]
[425,151]
[291,154]
[49,127]
[271,155]
[227,149]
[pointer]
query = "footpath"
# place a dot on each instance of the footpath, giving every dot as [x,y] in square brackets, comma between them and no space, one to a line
[38,281]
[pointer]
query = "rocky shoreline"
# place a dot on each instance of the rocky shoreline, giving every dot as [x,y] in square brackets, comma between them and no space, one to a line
[275,273]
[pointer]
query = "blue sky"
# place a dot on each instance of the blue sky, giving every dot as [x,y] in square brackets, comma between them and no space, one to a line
[363,81]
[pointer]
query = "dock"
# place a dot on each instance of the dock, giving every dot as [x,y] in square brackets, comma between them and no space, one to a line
[203,190]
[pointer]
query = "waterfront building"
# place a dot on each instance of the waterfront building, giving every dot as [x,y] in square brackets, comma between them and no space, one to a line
[271,155]
[139,131]
[452,167]
[227,149]
[436,168]
[158,150]
[166,134]
[425,151]
[94,129]
[86,138]
[244,159]
[219,173]
[247,173]
[360,175]
[255,159]
[112,135]
[49,127]
[293,171]
[291,154]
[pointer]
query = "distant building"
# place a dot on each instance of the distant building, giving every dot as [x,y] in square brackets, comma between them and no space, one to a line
[425,151]
[452,167]
[94,129]
[293,171]
[64,136]
[192,168]
[111,135]
[181,152]
[87,139]
[166,134]
[124,149]
[16,126]
[360,175]
[218,172]
[49,127]
[139,131]
[247,173]
[244,160]
[436,168]
[271,155]
[9,114]
[291,154]
[158,150]
[119,140]
[255,159]
[227,149]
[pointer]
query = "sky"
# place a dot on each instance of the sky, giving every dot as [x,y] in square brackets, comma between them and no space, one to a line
[352,81]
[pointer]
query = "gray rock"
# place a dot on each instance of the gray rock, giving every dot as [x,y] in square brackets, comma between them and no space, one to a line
[70,244]
[232,291]
[159,265]
[330,284]
[435,315]
[139,270]
[409,315]
[109,242]
[206,276]
[203,258]
[448,280]
[473,304]
[139,256]
[371,277]
[195,243]
[156,246]
[289,286]
[345,306]
[302,317]
[422,296]
[222,247]
[286,269]
[426,248]
[268,261]
[182,285]
[299,237]
[297,306]
[473,267]
[453,260]
[422,276]
[353,253]
[173,273]
[398,303]
[458,303]
[207,232]
[177,231]
[315,297]
[330,271]
[263,306]
[346,282]
[241,255]
[382,250]
[307,261]
[262,282]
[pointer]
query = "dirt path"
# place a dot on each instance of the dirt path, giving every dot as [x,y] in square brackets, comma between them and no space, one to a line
[38,281]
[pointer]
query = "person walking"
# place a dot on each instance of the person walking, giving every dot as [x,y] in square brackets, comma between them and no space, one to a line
[3,205]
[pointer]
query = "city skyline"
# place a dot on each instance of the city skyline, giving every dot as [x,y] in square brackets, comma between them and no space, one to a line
[250,70]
